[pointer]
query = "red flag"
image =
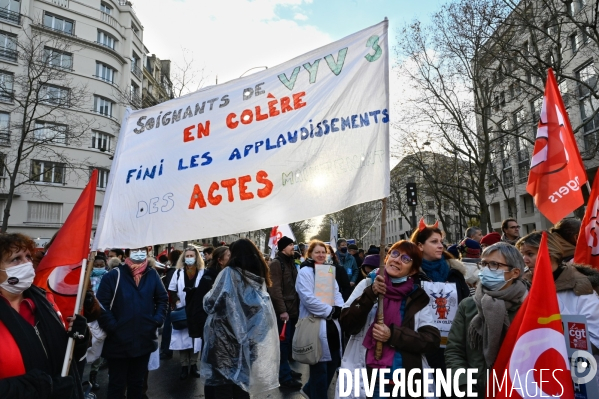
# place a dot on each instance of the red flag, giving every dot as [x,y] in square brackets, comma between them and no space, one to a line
[534,342]
[587,246]
[60,269]
[556,168]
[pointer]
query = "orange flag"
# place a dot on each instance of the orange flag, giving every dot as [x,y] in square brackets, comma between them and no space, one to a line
[556,169]
[587,246]
[60,269]
[534,342]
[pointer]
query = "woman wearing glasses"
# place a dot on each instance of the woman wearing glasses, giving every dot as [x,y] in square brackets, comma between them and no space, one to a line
[482,320]
[408,331]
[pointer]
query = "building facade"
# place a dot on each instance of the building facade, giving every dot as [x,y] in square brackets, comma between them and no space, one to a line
[93,60]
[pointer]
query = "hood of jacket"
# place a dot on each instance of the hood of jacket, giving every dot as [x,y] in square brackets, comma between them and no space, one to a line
[572,279]
[456,264]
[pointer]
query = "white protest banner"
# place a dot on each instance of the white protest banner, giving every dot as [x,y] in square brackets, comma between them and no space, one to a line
[444,306]
[276,234]
[298,140]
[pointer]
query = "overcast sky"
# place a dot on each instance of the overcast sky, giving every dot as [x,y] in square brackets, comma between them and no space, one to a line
[225,38]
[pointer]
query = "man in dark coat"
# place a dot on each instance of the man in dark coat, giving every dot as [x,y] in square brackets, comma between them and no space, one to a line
[285,302]
[134,303]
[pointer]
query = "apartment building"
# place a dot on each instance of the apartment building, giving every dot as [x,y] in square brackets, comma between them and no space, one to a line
[538,34]
[96,48]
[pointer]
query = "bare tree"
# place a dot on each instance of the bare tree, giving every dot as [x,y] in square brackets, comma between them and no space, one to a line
[187,77]
[43,103]
[300,229]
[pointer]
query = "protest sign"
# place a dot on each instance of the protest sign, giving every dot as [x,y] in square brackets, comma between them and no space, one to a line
[298,140]
[444,306]
[324,283]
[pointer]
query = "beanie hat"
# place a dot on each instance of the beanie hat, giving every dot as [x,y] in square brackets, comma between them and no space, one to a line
[352,246]
[454,251]
[283,242]
[373,250]
[372,261]
[470,248]
[490,239]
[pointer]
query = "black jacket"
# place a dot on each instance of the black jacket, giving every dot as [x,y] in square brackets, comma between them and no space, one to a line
[194,303]
[136,314]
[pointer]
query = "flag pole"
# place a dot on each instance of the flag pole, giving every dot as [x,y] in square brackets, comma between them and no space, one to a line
[83,278]
[380,318]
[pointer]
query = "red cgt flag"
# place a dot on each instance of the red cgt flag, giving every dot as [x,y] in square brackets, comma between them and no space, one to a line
[60,269]
[556,169]
[533,359]
[587,246]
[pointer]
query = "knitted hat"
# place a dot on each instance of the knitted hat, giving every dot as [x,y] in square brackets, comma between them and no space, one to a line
[490,239]
[352,246]
[373,250]
[454,251]
[371,260]
[283,242]
[470,248]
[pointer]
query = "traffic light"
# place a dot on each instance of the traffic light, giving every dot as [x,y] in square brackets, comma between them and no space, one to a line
[411,193]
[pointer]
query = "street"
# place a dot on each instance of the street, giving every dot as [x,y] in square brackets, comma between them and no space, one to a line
[164,383]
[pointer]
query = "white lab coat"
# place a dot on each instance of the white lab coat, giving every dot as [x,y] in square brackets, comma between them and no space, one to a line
[180,339]
[310,305]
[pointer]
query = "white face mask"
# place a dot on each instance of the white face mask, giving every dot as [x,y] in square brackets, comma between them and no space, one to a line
[190,261]
[19,278]
[138,256]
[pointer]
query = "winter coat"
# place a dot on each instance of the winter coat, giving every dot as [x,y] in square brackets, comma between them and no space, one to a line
[310,305]
[36,353]
[459,354]
[136,313]
[343,282]
[575,296]
[241,339]
[194,303]
[349,264]
[416,336]
[283,275]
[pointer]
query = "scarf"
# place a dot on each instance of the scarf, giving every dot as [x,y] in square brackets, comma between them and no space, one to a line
[436,270]
[137,269]
[511,242]
[391,309]
[487,327]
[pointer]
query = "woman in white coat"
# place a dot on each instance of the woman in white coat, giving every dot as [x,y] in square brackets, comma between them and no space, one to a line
[321,374]
[190,268]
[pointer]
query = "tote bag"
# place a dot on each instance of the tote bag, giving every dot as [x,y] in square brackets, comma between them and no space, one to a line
[306,345]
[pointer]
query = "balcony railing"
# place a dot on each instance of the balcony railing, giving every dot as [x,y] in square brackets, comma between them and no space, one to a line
[64,32]
[109,19]
[8,54]
[135,99]
[7,96]
[5,137]
[522,155]
[107,45]
[136,71]
[10,16]
[60,3]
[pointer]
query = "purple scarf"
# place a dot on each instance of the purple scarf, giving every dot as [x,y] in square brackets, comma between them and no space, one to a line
[391,309]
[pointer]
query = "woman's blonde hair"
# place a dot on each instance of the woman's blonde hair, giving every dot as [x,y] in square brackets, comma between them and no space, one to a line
[199,260]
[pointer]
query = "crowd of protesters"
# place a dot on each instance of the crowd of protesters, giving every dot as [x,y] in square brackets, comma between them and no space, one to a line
[230,314]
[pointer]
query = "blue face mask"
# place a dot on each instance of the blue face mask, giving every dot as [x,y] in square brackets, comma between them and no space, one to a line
[190,261]
[138,256]
[398,280]
[492,279]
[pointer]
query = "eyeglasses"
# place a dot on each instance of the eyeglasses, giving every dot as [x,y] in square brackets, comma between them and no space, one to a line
[514,227]
[493,265]
[405,259]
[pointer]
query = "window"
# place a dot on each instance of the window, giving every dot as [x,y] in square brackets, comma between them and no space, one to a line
[446,206]
[103,106]
[44,212]
[4,128]
[58,59]
[588,104]
[430,205]
[59,24]
[400,224]
[6,86]
[55,95]
[135,63]
[523,169]
[105,39]
[508,177]
[535,109]
[50,133]
[105,8]
[8,47]
[105,72]
[10,11]
[134,95]
[97,211]
[135,29]
[102,177]
[430,219]
[47,172]
[575,42]
[101,141]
